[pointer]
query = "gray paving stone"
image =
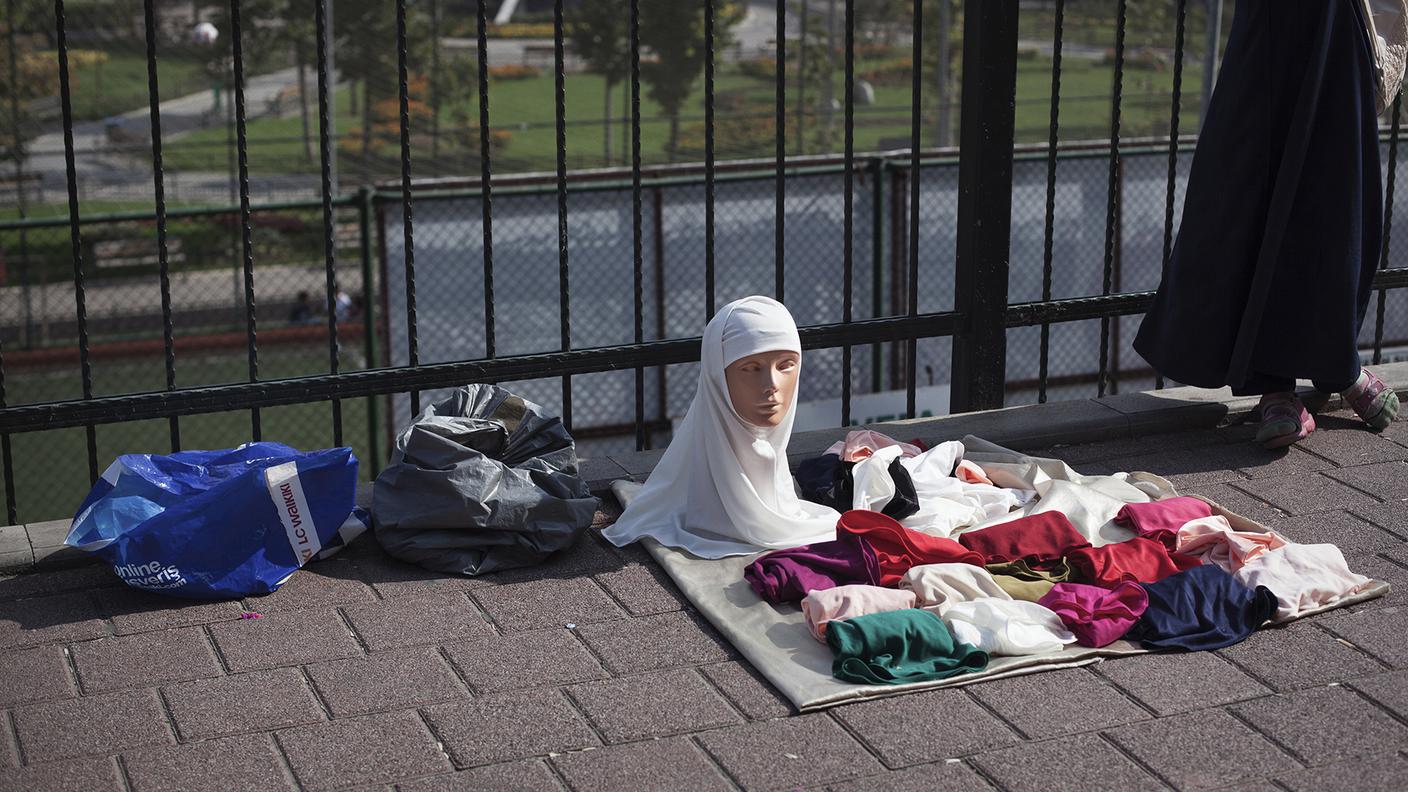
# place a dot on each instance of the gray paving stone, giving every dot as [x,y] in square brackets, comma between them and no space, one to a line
[60,557]
[749,692]
[392,578]
[789,752]
[367,750]
[35,675]
[284,639]
[1142,445]
[1378,568]
[48,534]
[642,589]
[1346,531]
[1048,766]
[410,621]
[17,561]
[98,774]
[1060,702]
[950,776]
[588,556]
[1348,442]
[1325,725]
[599,472]
[1385,480]
[638,463]
[526,776]
[887,726]
[1160,681]
[1298,656]
[546,603]
[1378,631]
[384,681]
[90,725]
[667,640]
[506,726]
[135,611]
[1202,750]
[652,705]
[13,538]
[144,660]
[246,762]
[1305,493]
[540,658]
[55,581]
[1392,516]
[1389,689]
[652,766]
[1379,774]
[1237,502]
[325,584]
[63,617]
[257,701]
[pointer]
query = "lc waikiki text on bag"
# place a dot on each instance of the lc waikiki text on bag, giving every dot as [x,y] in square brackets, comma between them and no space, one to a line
[219,524]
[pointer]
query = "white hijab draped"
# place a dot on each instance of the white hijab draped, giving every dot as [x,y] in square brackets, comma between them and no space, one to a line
[723,487]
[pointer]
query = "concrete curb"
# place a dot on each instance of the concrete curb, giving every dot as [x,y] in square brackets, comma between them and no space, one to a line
[39,546]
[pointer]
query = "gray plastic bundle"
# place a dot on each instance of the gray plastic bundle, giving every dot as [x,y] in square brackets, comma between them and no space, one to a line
[479,482]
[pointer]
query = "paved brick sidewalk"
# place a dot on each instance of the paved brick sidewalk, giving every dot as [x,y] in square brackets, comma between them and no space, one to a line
[592,673]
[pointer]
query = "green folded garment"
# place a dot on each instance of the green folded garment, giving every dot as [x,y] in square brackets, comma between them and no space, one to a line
[1022,582]
[896,647]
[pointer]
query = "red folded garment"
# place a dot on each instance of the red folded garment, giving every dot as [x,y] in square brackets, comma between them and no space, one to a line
[1160,520]
[1039,539]
[1138,559]
[897,548]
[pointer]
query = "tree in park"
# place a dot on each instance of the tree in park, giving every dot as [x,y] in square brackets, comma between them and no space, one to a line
[599,32]
[673,32]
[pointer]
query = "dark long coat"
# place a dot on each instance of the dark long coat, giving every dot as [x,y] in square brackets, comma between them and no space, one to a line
[1281,229]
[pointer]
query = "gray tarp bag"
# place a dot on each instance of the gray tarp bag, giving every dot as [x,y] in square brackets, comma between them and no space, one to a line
[479,482]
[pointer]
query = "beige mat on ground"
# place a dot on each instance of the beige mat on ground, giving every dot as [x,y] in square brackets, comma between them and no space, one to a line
[775,638]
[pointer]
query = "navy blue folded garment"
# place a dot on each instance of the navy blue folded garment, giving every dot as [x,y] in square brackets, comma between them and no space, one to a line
[1201,608]
[826,480]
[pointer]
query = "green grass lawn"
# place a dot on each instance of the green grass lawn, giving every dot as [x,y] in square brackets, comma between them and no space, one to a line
[120,84]
[51,468]
[524,109]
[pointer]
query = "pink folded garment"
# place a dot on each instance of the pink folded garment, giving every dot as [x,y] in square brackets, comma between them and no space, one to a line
[969,473]
[846,602]
[1213,540]
[1160,520]
[863,442]
[1096,616]
[1303,577]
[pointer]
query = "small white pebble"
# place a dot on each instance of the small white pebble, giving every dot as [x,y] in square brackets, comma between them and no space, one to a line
[571,626]
[792,756]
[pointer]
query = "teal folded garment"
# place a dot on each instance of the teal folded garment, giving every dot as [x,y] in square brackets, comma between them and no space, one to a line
[896,647]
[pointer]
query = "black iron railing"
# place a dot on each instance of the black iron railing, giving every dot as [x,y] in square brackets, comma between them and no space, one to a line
[978,321]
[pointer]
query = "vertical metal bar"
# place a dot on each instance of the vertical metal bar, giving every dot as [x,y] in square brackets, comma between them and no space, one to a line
[708,159]
[246,240]
[159,187]
[877,258]
[1173,145]
[848,201]
[407,226]
[637,262]
[1057,40]
[984,202]
[1113,235]
[915,95]
[1388,224]
[802,75]
[364,223]
[11,506]
[85,365]
[563,281]
[486,199]
[657,213]
[780,122]
[329,221]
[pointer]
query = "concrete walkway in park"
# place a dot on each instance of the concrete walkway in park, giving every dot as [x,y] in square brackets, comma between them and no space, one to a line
[592,672]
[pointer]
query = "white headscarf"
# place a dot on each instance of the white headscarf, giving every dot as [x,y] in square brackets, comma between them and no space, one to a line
[723,487]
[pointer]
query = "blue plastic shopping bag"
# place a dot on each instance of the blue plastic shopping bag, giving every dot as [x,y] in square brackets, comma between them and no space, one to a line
[218,524]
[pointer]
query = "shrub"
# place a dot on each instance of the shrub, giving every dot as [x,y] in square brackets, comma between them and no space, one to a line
[518,30]
[513,71]
[759,68]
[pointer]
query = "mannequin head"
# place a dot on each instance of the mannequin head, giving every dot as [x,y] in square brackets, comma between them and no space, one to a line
[762,386]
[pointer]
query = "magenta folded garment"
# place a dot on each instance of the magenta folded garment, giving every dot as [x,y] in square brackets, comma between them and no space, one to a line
[787,575]
[1096,616]
[1160,520]
[1039,539]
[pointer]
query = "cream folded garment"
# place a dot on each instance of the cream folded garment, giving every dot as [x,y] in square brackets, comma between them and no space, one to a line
[938,587]
[846,602]
[1007,627]
[1303,577]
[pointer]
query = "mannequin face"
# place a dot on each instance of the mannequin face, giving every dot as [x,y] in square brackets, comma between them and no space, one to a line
[761,387]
